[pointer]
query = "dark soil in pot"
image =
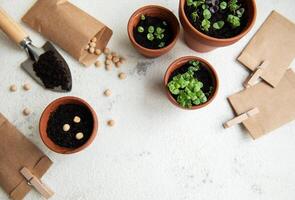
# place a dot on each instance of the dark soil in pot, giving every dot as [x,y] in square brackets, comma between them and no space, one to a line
[202,75]
[79,120]
[157,37]
[218,15]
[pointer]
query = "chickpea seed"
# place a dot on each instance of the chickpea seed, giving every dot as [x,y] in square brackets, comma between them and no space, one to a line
[122,75]
[91,50]
[26,111]
[108,67]
[106,50]
[116,59]
[97,63]
[87,47]
[27,86]
[107,93]
[98,52]
[93,39]
[66,127]
[118,64]
[77,119]
[79,136]
[109,57]
[111,123]
[92,44]
[13,88]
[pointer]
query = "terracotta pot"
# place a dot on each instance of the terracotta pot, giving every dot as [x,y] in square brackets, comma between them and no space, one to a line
[155,11]
[178,64]
[45,117]
[200,42]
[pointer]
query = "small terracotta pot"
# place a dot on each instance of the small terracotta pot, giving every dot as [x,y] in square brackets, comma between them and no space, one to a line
[201,42]
[178,64]
[154,11]
[44,121]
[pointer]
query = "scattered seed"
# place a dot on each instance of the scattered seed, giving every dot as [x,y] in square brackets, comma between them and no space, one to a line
[118,64]
[122,59]
[87,47]
[111,123]
[107,93]
[92,44]
[108,67]
[116,59]
[13,88]
[93,39]
[27,86]
[106,51]
[97,64]
[91,50]
[66,127]
[114,54]
[97,52]
[109,57]
[108,62]
[122,75]
[26,111]
[79,136]
[77,119]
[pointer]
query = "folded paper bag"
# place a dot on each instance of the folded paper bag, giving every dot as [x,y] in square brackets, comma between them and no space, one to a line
[69,27]
[16,153]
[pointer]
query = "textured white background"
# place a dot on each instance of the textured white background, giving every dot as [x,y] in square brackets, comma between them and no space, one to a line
[156,151]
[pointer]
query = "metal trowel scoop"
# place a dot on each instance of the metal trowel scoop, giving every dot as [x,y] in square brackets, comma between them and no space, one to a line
[45,65]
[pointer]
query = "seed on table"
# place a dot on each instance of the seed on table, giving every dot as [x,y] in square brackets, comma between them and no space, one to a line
[87,47]
[66,127]
[77,119]
[26,111]
[79,136]
[111,122]
[13,88]
[27,86]
[97,64]
[106,50]
[93,39]
[91,50]
[108,62]
[108,67]
[114,54]
[116,59]
[97,52]
[92,44]
[107,93]
[122,59]
[109,57]
[122,75]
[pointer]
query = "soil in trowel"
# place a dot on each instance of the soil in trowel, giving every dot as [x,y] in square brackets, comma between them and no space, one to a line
[65,114]
[52,71]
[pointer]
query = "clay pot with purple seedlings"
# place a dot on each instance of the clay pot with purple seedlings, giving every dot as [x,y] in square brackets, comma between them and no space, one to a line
[68,125]
[209,24]
[191,83]
[153,30]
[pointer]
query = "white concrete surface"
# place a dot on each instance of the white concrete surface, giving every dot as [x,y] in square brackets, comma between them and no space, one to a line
[156,151]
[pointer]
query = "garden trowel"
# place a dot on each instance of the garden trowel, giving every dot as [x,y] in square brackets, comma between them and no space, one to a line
[61,82]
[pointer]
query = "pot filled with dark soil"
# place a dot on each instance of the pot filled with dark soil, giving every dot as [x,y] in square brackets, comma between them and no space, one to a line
[209,24]
[153,30]
[191,83]
[68,125]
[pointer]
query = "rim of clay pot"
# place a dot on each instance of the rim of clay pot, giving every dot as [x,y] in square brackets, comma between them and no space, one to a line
[249,26]
[178,64]
[44,121]
[143,10]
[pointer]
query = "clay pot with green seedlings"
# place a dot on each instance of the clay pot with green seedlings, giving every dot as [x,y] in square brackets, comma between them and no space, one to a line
[153,30]
[191,83]
[209,24]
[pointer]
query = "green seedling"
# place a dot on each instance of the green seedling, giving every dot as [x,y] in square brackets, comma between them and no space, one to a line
[218,25]
[234,21]
[140,29]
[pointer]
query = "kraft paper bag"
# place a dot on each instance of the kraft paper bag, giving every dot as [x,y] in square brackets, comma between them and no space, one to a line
[275,43]
[16,152]
[276,105]
[69,27]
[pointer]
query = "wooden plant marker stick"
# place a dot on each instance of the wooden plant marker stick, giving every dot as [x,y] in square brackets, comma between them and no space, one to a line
[252,79]
[44,190]
[239,119]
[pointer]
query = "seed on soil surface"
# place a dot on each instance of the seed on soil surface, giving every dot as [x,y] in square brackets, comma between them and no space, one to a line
[27,86]
[116,59]
[77,119]
[122,76]
[111,122]
[27,111]
[97,52]
[107,93]
[79,136]
[97,63]
[91,50]
[118,64]
[13,88]
[109,57]
[66,127]
[92,44]
[106,51]
[87,47]
[93,39]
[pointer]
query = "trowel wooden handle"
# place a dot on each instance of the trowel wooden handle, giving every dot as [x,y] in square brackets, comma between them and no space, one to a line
[11,28]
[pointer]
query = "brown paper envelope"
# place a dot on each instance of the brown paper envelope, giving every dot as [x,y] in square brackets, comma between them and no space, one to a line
[69,27]
[274,42]
[276,105]
[16,152]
